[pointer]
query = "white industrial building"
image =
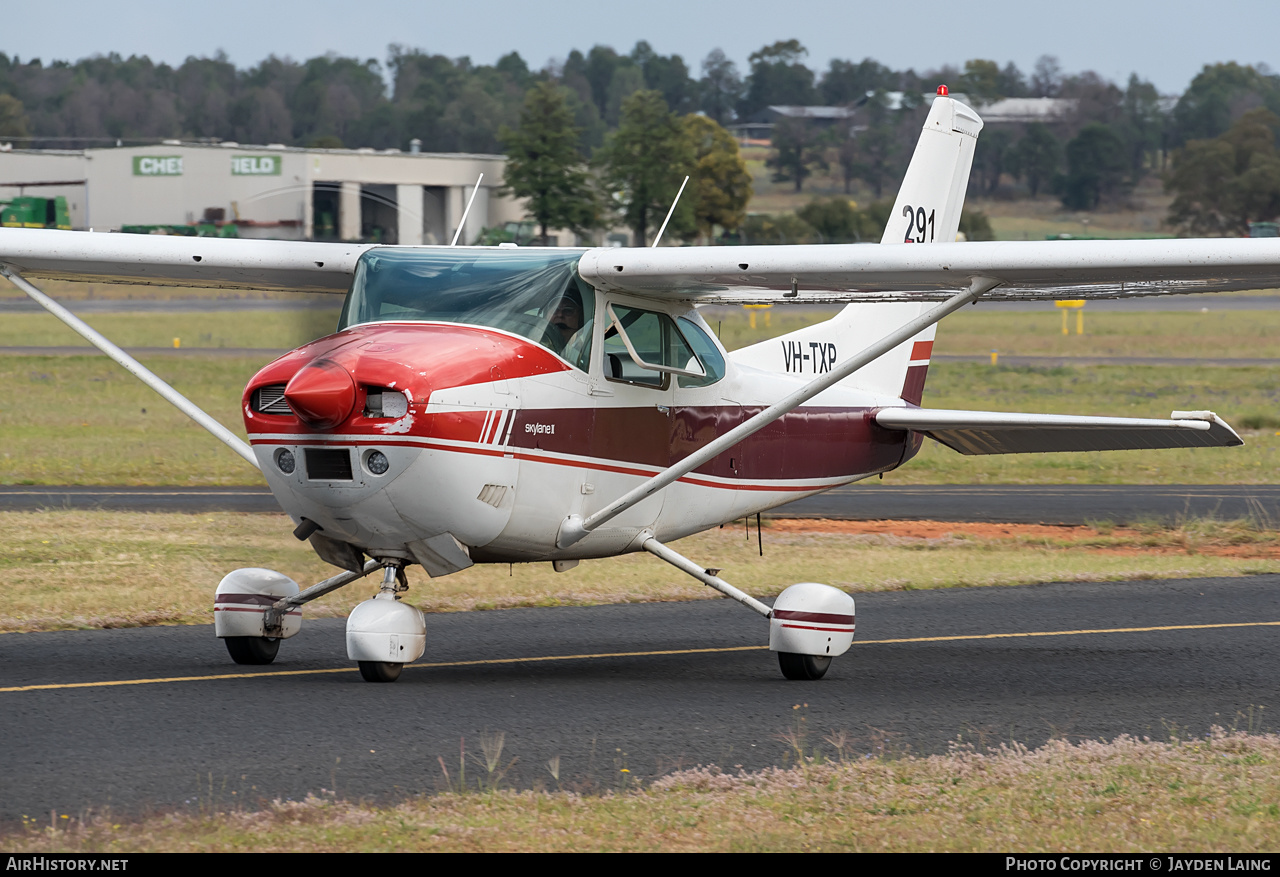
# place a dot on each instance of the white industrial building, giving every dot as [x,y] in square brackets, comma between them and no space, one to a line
[269,191]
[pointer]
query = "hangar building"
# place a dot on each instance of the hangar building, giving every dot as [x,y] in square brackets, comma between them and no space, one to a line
[269,191]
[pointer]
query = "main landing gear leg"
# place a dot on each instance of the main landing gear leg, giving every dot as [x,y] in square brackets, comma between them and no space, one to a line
[809,623]
[254,609]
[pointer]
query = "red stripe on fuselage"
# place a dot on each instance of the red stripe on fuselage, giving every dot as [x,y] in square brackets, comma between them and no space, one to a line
[817,443]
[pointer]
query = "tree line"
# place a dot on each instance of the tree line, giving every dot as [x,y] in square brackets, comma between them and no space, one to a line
[1089,155]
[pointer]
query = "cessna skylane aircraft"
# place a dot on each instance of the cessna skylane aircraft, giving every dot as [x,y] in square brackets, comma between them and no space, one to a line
[512,405]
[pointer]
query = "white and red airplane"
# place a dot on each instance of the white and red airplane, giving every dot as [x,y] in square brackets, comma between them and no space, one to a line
[503,405]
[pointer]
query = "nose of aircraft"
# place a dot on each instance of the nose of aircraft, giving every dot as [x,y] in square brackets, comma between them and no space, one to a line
[322,394]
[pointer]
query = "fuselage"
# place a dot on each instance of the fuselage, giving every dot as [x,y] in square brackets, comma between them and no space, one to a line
[391,434]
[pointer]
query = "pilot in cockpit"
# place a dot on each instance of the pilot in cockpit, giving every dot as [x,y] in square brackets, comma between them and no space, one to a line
[569,334]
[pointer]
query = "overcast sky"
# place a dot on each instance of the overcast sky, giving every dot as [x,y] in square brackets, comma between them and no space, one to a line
[1165,42]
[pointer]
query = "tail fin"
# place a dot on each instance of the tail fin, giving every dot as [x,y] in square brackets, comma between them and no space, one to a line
[932,194]
[927,210]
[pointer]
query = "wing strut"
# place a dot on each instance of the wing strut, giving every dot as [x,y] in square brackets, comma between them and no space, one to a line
[574,527]
[706,576]
[137,369]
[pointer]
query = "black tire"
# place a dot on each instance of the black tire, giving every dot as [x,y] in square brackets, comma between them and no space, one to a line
[803,666]
[380,671]
[252,649]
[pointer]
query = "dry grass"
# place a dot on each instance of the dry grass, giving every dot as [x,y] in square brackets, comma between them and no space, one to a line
[1212,334]
[1217,794]
[69,569]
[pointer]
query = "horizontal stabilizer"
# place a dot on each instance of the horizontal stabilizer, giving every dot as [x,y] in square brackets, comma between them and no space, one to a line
[994,432]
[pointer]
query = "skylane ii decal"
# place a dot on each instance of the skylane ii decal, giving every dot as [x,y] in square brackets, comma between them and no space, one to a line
[818,358]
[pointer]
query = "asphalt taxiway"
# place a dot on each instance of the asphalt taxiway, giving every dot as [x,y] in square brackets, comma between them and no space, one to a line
[159,718]
[1066,504]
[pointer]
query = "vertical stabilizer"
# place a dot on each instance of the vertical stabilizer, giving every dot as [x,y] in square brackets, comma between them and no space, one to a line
[927,210]
[932,194]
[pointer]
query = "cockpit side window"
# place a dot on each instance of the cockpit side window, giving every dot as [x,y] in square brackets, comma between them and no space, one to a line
[644,347]
[707,352]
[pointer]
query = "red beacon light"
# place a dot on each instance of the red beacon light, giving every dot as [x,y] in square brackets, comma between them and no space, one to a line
[942,91]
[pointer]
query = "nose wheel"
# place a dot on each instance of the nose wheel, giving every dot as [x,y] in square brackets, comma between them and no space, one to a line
[384,628]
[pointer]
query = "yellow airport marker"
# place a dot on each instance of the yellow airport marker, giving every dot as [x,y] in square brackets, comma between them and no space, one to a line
[177,342]
[1078,306]
[751,314]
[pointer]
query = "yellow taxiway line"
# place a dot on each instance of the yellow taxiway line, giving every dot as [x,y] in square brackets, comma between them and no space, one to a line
[529,660]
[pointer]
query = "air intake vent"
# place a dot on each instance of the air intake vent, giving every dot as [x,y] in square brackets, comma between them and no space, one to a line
[324,464]
[493,494]
[270,400]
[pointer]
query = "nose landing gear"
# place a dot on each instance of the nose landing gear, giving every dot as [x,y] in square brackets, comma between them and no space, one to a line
[384,634]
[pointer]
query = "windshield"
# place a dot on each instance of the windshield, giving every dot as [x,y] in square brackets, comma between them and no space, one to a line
[534,293]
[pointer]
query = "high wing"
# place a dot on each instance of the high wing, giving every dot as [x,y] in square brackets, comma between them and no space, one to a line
[221,263]
[863,272]
[992,432]
[729,275]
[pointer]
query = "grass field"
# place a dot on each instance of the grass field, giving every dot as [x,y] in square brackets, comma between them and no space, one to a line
[272,330]
[1216,794]
[1211,333]
[127,569]
[83,420]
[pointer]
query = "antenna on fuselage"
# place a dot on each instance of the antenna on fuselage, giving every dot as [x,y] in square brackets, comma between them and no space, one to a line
[463,222]
[669,212]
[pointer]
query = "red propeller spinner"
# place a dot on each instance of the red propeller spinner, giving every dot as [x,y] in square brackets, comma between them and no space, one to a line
[322,394]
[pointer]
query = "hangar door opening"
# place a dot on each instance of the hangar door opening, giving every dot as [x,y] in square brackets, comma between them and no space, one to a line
[326,211]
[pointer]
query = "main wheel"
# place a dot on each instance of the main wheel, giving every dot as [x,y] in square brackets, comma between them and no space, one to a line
[252,649]
[803,666]
[380,671]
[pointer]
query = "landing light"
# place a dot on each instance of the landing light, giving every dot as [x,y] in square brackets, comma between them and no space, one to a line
[377,462]
[285,461]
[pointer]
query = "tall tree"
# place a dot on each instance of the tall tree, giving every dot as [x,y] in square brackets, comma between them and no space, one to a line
[799,148]
[1221,185]
[846,82]
[1142,126]
[644,163]
[991,160]
[981,80]
[1220,94]
[13,117]
[1046,77]
[1096,167]
[778,78]
[720,86]
[721,182]
[1036,157]
[544,165]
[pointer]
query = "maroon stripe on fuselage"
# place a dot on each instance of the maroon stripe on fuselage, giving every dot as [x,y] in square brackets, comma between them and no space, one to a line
[806,443]
[816,617]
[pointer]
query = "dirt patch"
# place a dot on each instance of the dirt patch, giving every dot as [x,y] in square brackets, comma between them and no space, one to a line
[934,529]
[1116,541]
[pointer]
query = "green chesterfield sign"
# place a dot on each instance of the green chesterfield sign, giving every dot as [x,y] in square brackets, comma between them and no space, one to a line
[255,165]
